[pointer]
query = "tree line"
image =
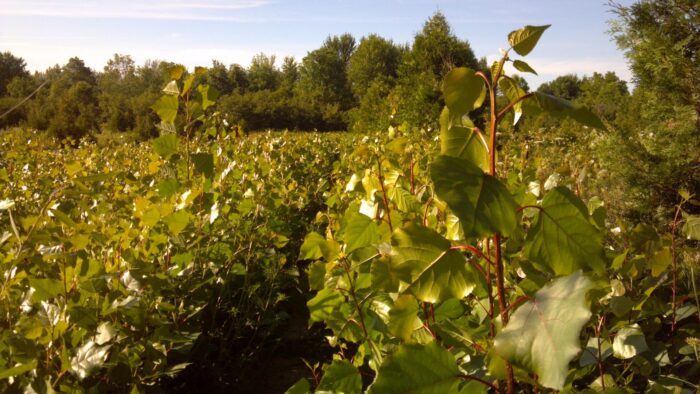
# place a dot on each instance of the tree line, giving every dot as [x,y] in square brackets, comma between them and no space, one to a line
[375,83]
[344,84]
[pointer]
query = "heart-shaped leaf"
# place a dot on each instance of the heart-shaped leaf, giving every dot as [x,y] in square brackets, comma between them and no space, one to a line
[464,91]
[542,335]
[562,237]
[432,271]
[481,202]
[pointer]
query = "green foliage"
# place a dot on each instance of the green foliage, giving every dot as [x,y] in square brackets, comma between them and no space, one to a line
[459,271]
[11,67]
[125,272]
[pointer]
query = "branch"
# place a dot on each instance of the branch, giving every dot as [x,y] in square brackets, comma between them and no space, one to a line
[472,377]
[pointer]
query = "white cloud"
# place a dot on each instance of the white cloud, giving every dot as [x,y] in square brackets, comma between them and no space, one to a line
[213,10]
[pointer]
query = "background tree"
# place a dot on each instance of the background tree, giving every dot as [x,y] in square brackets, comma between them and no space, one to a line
[435,51]
[375,58]
[11,67]
[661,39]
[566,86]
[219,77]
[323,78]
[290,74]
[659,131]
[262,73]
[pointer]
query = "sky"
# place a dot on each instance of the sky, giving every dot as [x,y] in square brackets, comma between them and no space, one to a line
[194,32]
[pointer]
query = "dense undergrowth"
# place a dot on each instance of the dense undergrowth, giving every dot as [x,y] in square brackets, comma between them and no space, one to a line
[119,270]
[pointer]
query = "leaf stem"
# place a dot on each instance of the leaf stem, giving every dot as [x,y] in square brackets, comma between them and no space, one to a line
[472,377]
[513,104]
[386,202]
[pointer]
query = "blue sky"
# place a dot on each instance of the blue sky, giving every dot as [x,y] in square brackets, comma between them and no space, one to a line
[192,32]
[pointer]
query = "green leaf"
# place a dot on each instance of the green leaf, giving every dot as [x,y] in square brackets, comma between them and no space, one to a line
[166,145]
[312,248]
[418,369]
[207,95]
[166,107]
[187,85]
[177,221]
[168,187]
[481,202]
[591,355]
[171,89]
[561,108]
[341,377]
[523,67]
[45,289]
[660,261]
[621,305]
[691,229]
[562,237]
[6,204]
[18,370]
[403,317]
[513,92]
[424,261]
[629,342]
[324,304]
[359,231]
[204,163]
[464,91]
[458,139]
[176,71]
[523,41]
[89,358]
[542,335]
[383,278]
[300,387]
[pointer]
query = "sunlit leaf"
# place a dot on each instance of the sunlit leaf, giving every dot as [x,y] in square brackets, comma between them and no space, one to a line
[171,89]
[523,40]
[629,342]
[523,67]
[691,228]
[464,91]
[432,271]
[89,358]
[458,138]
[166,107]
[359,231]
[542,335]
